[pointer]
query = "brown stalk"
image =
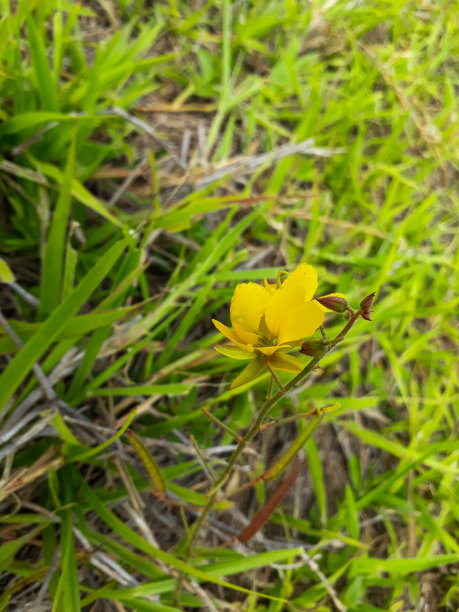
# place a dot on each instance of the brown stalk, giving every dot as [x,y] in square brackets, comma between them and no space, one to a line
[262,516]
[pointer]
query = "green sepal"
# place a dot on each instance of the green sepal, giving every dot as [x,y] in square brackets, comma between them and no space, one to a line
[286,363]
[251,371]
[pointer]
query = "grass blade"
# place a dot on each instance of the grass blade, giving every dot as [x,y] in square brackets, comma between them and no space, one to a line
[52,264]
[43,75]
[22,363]
[159,486]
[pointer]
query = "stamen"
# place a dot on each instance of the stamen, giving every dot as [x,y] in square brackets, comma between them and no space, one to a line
[278,278]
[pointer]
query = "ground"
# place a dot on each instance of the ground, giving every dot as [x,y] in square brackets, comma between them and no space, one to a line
[154,155]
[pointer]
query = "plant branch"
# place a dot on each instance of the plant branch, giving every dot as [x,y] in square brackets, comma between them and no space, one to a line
[253,430]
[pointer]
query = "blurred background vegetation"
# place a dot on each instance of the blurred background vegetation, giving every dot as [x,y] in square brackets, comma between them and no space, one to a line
[154,154]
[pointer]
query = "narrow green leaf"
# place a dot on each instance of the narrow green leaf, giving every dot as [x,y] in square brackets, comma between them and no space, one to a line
[24,121]
[139,605]
[52,264]
[317,477]
[75,450]
[212,252]
[64,432]
[371,565]
[22,362]
[92,452]
[9,549]
[139,542]
[92,349]
[167,389]
[43,75]
[235,565]
[398,450]
[68,594]
[240,563]
[159,486]
[352,514]
[79,192]
[71,259]
[6,276]
[195,498]
[76,327]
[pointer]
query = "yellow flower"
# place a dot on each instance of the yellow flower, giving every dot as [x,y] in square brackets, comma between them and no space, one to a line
[269,321]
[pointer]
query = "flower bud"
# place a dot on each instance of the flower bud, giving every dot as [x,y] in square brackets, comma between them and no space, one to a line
[312,347]
[334,302]
[365,306]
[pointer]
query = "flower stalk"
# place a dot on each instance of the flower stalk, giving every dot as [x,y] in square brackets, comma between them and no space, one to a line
[258,420]
[269,322]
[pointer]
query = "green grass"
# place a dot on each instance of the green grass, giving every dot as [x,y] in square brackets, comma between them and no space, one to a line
[123,278]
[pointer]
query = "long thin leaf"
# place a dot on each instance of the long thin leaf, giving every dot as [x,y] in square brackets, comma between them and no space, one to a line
[68,594]
[24,121]
[79,192]
[22,363]
[159,486]
[53,259]
[43,74]
[131,536]
[6,275]
[166,389]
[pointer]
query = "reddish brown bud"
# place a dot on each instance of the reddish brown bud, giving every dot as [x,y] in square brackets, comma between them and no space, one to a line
[334,302]
[312,347]
[365,306]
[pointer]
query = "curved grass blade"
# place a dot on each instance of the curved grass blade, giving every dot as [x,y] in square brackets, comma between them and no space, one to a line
[52,263]
[156,553]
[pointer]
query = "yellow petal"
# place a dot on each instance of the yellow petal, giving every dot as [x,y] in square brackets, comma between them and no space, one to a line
[268,350]
[285,299]
[226,331]
[279,348]
[285,363]
[300,322]
[324,308]
[269,287]
[285,348]
[233,351]
[306,276]
[247,307]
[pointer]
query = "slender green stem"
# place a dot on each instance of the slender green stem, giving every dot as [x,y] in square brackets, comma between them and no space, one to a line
[270,388]
[295,417]
[353,318]
[253,430]
[213,418]
[275,377]
[204,461]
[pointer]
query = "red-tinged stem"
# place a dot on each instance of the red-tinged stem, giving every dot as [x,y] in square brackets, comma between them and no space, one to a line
[253,430]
